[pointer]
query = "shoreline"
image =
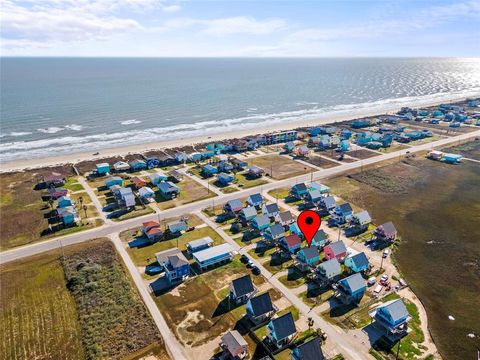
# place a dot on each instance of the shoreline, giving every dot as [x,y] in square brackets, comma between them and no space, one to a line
[327,118]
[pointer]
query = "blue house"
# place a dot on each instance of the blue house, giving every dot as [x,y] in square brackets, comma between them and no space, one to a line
[361,123]
[357,263]
[292,243]
[342,213]
[323,189]
[157,178]
[294,229]
[344,145]
[329,271]
[224,178]
[255,200]
[260,222]
[364,138]
[113,180]
[64,201]
[68,215]
[452,158]
[213,256]
[308,257]
[152,162]
[387,140]
[281,330]
[168,189]
[181,157]
[315,131]
[195,157]
[345,134]
[393,318]
[138,165]
[289,146]
[350,290]
[225,166]
[103,168]
[209,170]
[175,264]
[248,213]
[208,154]
[274,232]
[299,190]
[320,239]
[176,227]
[314,196]
[260,308]
[329,203]
[309,350]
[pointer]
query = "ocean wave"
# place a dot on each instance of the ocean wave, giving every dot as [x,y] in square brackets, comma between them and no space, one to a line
[50,130]
[71,144]
[130,122]
[74,127]
[19,133]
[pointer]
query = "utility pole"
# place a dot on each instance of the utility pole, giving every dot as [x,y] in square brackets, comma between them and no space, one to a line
[398,349]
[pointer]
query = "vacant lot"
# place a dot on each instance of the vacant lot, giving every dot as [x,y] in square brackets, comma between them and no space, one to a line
[38,314]
[190,191]
[280,167]
[321,162]
[469,149]
[145,255]
[113,318]
[361,153]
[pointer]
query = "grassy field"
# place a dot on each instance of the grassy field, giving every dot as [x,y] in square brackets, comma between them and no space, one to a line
[146,255]
[244,182]
[280,166]
[190,191]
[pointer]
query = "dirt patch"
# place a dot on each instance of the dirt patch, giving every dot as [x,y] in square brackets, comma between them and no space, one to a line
[321,162]
[281,167]
[361,154]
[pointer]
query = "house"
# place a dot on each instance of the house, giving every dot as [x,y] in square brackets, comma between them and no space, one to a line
[385,233]
[120,166]
[213,256]
[274,232]
[294,229]
[255,171]
[138,165]
[248,213]
[302,151]
[175,264]
[320,239]
[225,166]
[56,193]
[271,210]
[351,289]
[103,168]
[314,196]
[308,257]
[176,227]
[281,136]
[165,160]
[157,178]
[292,243]
[152,162]
[342,213]
[64,201]
[195,157]
[255,200]
[125,197]
[68,215]
[113,180]
[152,230]
[138,182]
[233,206]
[260,308]
[242,289]
[357,263]
[329,271]
[146,193]
[209,170]
[346,134]
[452,158]
[168,189]
[224,178]
[181,157]
[234,345]
[309,350]
[282,330]
[299,190]
[289,146]
[175,176]
[328,203]
[335,250]
[199,244]
[392,317]
[364,138]
[285,218]
[358,124]
[435,155]
[260,222]
[361,219]
[344,146]
[54,180]
[239,164]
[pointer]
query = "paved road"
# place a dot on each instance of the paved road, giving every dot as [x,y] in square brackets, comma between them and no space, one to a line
[174,348]
[115,227]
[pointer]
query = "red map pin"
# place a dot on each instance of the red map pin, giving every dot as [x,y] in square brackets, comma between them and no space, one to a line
[309,222]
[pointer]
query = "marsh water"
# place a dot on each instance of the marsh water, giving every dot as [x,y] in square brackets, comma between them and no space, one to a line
[437,213]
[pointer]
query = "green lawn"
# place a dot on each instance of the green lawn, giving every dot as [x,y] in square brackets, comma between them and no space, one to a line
[146,255]
[73,185]
[293,279]
[243,182]
[139,211]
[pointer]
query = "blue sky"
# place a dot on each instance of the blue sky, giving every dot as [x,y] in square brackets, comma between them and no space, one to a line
[242,28]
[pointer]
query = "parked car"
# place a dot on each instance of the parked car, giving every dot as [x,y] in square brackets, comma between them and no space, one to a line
[371,281]
[250,264]
[377,290]
[256,270]
[383,279]
[386,252]
[244,259]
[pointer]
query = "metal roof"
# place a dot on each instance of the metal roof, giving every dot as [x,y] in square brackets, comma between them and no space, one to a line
[212,252]
[284,326]
[243,285]
[261,304]
[396,308]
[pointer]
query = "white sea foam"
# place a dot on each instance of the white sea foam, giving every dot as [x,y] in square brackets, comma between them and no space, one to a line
[130,122]
[20,133]
[50,130]
[74,127]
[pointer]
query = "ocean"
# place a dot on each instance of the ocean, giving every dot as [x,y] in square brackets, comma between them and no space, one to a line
[57,106]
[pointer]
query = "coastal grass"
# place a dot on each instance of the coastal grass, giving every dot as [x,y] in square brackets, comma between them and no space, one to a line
[139,211]
[146,255]
[73,185]
[280,167]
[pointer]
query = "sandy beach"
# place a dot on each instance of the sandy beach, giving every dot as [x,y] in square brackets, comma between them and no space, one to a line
[327,118]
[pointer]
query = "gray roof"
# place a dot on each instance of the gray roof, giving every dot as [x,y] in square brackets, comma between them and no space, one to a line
[338,247]
[396,308]
[262,220]
[207,240]
[249,211]
[167,186]
[162,256]
[271,208]
[320,235]
[310,252]
[388,228]
[360,259]
[345,208]
[243,285]
[284,326]
[213,252]
[233,340]
[331,268]
[261,304]
[363,217]
[354,282]
[235,204]
[255,198]
[277,229]
[329,201]
[310,350]
[286,216]
[178,260]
